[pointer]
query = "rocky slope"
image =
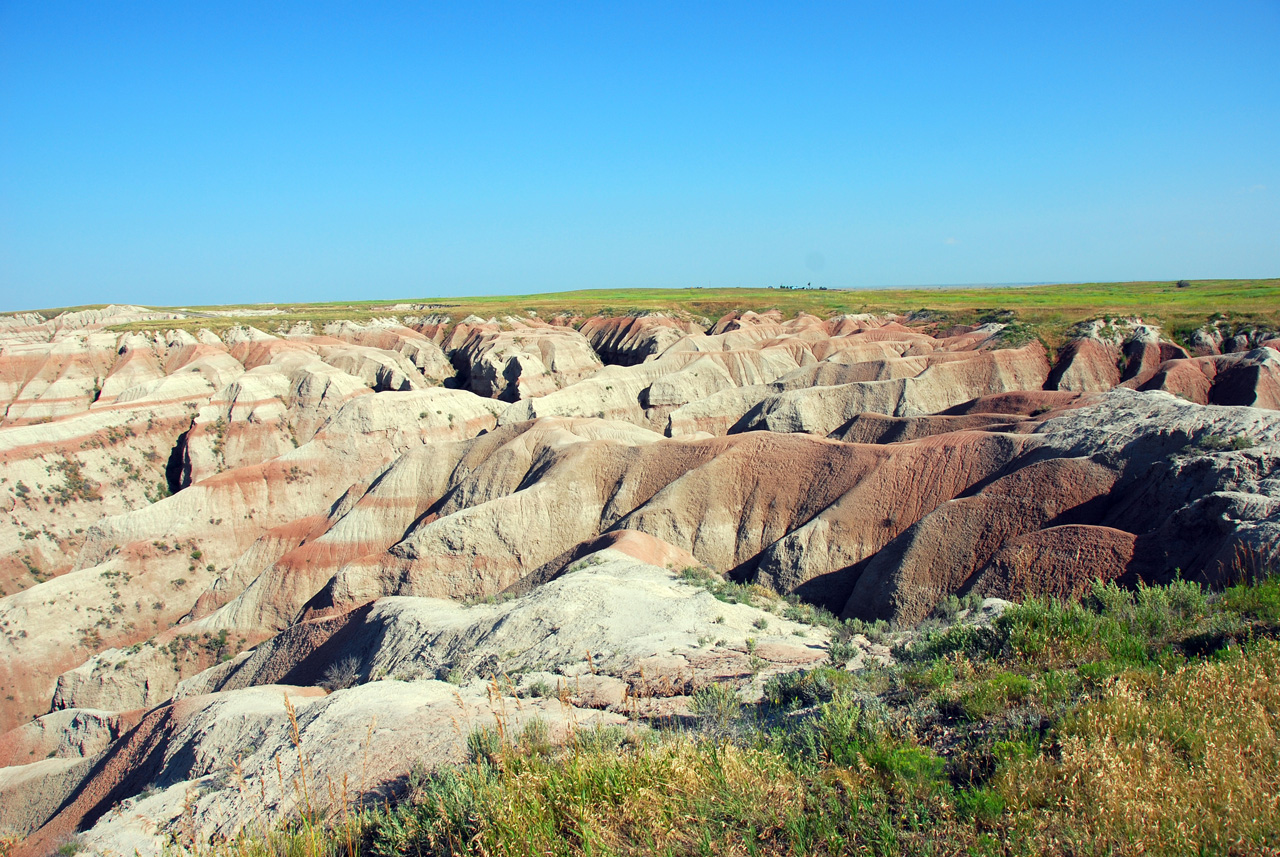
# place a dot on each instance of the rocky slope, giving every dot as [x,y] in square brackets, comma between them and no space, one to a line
[413,528]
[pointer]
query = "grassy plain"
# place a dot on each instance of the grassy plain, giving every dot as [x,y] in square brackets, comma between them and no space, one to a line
[1050,310]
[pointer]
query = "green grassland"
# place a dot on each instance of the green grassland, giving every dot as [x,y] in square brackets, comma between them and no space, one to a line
[1049,311]
[1135,722]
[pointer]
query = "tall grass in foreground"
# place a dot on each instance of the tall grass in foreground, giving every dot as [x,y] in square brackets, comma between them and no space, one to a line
[1134,723]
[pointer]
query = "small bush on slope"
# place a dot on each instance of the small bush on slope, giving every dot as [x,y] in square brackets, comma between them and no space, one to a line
[1134,723]
[341,675]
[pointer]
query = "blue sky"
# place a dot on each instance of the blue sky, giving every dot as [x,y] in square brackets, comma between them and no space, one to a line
[211,152]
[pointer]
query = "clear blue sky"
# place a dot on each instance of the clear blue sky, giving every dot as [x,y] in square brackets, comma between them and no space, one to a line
[200,152]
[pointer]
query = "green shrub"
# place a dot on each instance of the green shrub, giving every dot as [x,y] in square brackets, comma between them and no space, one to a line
[723,590]
[876,631]
[994,694]
[72,846]
[851,731]
[599,739]
[802,611]
[717,706]
[936,674]
[841,652]
[1129,626]
[1218,443]
[948,607]
[983,805]
[965,639]
[1259,601]
[913,767]
[540,690]
[535,737]
[806,687]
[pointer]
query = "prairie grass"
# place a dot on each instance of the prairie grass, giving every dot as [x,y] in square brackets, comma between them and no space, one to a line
[1134,722]
[1186,762]
[1046,312]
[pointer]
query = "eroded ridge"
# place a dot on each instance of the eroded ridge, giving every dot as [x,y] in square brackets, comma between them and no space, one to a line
[412,527]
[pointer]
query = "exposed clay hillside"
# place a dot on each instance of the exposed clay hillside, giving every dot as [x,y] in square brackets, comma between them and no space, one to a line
[414,526]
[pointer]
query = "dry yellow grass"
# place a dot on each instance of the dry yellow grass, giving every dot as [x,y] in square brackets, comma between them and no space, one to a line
[1187,763]
[669,797]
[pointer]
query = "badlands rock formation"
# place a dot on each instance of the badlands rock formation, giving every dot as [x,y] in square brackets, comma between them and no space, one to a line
[412,528]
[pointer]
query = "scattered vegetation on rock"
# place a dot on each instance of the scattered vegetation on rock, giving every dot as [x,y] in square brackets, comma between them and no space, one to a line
[1135,722]
[75,486]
